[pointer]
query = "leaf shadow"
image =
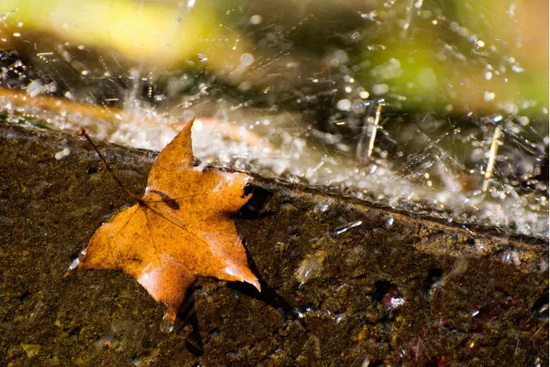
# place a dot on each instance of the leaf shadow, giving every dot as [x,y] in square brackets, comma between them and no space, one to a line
[254,206]
[188,315]
[268,295]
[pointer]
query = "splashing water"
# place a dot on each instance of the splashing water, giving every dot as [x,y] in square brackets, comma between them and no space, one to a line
[447,120]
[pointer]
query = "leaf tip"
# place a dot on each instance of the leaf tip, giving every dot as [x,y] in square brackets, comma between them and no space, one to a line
[255,283]
[241,274]
[189,124]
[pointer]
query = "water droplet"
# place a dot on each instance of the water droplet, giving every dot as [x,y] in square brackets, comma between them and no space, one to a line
[201,166]
[389,222]
[246,59]
[488,96]
[364,94]
[62,154]
[379,89]
[105,340]
[321,207]
[301,313]
[523,120]
[347,227]
[511,257]
[76,261]
[496,118]
[395,302]
[167,324]
[344,105]
[310,267]
[255,19]
[74,264]
[202,57]
[338,318]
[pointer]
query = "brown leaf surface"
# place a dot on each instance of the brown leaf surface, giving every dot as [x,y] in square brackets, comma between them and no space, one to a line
[180,229]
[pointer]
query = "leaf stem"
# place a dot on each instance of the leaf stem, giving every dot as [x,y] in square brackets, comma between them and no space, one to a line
[82,132]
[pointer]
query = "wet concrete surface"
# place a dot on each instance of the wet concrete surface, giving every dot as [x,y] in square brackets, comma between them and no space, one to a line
[345,283]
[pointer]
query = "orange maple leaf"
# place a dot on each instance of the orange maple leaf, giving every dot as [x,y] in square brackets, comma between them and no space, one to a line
[180,229]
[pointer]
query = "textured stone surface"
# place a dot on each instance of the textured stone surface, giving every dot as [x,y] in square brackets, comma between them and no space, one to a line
[344,282]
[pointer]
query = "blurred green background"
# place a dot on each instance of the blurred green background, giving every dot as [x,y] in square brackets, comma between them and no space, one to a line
[488,56]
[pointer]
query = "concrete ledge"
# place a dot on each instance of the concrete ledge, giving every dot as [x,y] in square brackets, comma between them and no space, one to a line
[345,283]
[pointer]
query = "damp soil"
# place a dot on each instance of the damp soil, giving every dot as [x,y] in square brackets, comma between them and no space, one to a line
[344,282]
